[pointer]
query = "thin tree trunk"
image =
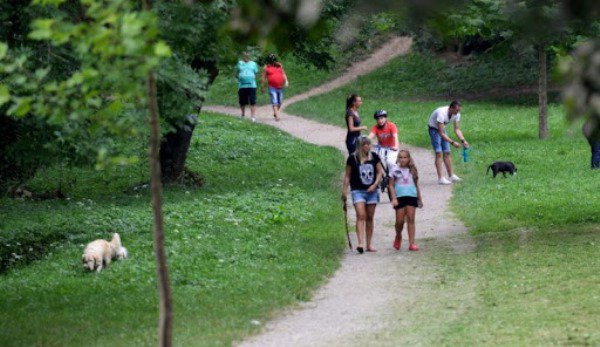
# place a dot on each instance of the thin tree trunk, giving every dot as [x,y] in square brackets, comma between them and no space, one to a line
[164,291]
[542,93]
[165,308]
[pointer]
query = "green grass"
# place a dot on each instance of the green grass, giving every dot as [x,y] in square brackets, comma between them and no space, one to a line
[519,288]
[426,77]
[260,235]
[301,78]
[553,186]
[531,277]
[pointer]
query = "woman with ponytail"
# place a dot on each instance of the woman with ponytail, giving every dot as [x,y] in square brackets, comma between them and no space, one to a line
[353,102]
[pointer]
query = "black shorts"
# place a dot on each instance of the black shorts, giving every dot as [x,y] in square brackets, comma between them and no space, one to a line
[247,96]
[404,201]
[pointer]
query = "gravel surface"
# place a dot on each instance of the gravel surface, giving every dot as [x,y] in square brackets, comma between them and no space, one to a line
[364,294]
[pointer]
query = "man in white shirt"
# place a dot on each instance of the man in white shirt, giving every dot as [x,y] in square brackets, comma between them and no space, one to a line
[441,141]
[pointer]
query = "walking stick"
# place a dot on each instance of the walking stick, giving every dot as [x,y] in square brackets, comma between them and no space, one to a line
[346,222]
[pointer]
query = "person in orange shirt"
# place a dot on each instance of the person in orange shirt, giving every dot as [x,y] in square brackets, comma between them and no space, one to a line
[276,79]
[386,134]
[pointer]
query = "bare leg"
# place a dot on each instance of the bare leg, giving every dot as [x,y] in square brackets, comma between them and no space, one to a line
[369,225]
[243,107]
[438,165]
[361,216]
[253,110]
[400,215]
[448,162]
[410,223]
[276,112]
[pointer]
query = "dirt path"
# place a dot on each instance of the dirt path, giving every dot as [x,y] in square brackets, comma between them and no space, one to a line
[365,293]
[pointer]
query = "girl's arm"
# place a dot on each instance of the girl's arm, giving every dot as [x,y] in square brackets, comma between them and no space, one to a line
[346,183]
[392,191]
[419,199]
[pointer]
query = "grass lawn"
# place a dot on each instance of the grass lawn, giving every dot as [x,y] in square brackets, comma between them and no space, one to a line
[531,277]
[554,185]
[259,235]
[518,288]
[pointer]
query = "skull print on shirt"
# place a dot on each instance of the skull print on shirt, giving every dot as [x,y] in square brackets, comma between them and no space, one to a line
[367,173]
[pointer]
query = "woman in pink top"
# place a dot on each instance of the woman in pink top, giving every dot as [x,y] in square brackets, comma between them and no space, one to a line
[275,76]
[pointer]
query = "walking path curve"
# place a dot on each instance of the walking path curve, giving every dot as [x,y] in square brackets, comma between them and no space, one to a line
[362,295]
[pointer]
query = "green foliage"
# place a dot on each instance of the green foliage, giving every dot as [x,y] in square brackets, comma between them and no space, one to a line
[260,235]
[192,28]
[583,84]
[180,90]
[115,47]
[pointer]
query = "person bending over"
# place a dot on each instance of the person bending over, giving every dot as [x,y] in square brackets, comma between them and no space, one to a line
[440,140]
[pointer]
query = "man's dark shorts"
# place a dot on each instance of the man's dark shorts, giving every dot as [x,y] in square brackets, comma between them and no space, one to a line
[247,96]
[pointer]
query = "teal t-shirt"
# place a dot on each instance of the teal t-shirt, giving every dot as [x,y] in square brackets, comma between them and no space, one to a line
[247,74]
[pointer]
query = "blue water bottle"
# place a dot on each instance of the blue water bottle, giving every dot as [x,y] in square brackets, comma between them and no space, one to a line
[465,154]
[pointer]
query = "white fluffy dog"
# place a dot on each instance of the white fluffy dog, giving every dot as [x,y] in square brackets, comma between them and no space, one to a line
[98,254]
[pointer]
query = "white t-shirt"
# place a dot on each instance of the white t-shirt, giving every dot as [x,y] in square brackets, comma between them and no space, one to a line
[440,115]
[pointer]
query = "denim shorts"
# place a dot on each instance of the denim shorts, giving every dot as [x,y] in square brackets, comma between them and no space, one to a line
[438,143]
[276,96]
[363,196]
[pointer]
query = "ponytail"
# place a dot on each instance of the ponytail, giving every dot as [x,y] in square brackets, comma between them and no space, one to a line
[351,100]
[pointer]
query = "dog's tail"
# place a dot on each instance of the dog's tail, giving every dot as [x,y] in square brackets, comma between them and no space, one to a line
[488,169]
[122,253]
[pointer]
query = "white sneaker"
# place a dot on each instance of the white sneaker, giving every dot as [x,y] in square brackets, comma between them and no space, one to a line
[454,178]
[254,119]
[443,180]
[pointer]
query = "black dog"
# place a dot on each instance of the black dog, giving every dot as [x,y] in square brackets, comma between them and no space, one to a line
[502,166]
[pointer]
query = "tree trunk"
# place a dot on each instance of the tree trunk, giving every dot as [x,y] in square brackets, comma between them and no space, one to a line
[542,93]
[174,149]
[164,291]
[165,306]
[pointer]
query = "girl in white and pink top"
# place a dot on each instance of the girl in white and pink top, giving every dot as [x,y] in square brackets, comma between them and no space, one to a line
[406,197]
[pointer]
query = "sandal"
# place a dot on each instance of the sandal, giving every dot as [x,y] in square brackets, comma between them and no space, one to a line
[413,247]
[397,242]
